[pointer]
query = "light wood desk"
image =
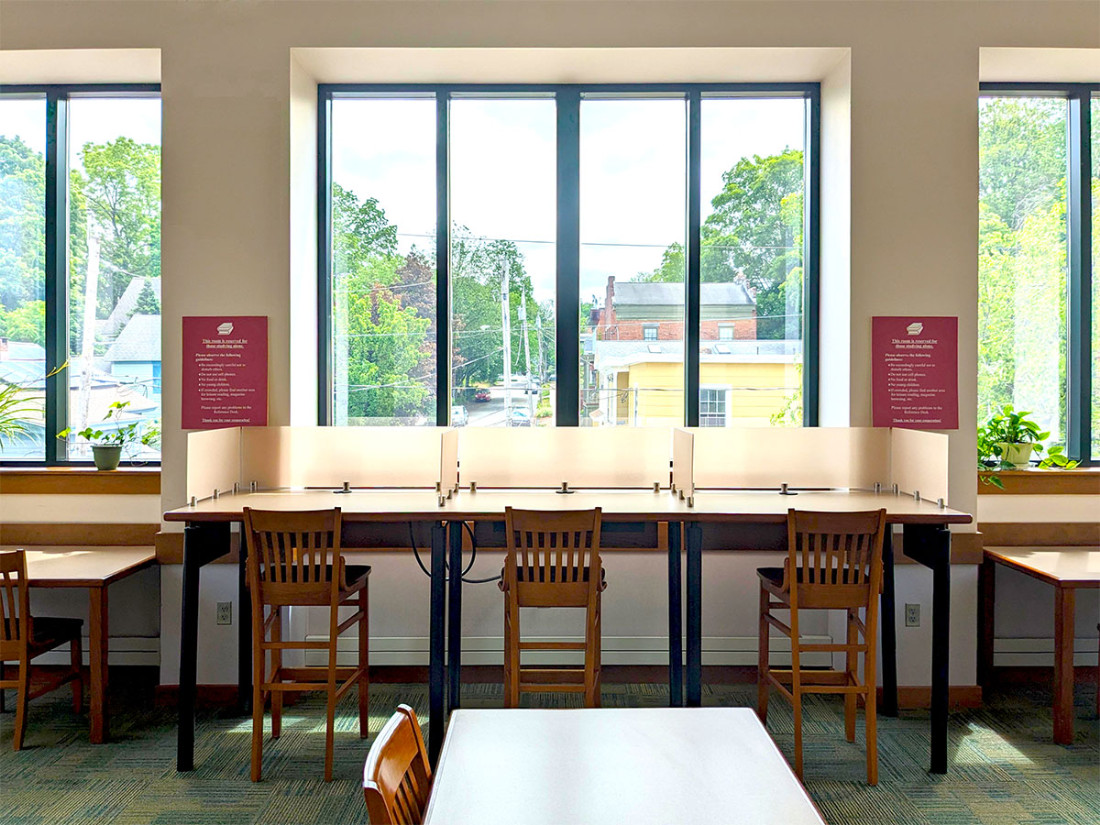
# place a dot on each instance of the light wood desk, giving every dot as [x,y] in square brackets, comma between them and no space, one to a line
[739,515]
[651,765]
[94,568]
[1068,569]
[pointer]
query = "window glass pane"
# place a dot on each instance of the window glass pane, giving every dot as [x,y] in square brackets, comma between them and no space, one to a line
[1095,447]
[503,266]
[1022,259]
[114,370]
[383,261]
[753,158]
[632,269]
[22,278]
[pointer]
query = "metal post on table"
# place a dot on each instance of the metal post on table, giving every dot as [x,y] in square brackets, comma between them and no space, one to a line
[454,617]
[675,618]
[438,621]
[694,614]
[889,629]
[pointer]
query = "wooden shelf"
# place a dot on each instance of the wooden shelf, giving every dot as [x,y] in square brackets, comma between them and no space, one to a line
[79,480]
[1080,481]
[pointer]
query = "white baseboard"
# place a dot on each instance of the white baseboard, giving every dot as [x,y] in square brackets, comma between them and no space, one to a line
[616,650]
[121,650]
[1040,652]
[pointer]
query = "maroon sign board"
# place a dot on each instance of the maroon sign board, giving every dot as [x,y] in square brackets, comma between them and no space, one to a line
[224,372]
[915,372]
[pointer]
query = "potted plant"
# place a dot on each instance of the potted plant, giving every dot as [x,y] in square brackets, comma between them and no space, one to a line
[107,446]
[15,413]
[1007,440]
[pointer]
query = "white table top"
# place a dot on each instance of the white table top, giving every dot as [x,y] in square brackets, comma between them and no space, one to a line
[1072,566]
[622,505]
[629,765]
[83,565]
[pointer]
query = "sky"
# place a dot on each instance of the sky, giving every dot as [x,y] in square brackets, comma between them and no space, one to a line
[91,119]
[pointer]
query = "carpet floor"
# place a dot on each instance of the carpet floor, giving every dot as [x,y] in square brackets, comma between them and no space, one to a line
[1005,770]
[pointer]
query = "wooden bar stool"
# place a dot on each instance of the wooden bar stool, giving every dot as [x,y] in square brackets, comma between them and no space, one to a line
[397,775]
[23,638]
[553,561]
[834,562]
[294,561]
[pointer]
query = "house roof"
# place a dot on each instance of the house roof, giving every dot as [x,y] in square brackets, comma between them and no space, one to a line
[666,294]
[619,354]
[138,341]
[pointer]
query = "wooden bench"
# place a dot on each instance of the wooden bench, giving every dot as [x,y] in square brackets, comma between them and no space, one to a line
[1068,569]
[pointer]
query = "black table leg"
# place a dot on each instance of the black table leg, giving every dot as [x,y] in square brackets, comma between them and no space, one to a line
[202,543]
[931,546]
[436,666]
[694,614]
[675,619]
[889,630]
[454,617]
[244,633]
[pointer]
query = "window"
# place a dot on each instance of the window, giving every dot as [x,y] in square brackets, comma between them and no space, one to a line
[1036,304]
[712,407]
[79,269]
[474,239]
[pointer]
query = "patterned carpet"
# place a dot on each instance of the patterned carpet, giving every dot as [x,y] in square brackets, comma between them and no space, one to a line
[1005,769]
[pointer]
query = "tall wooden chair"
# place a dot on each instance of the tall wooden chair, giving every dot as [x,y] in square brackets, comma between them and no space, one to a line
[22,638]
[834,562]
[397,776]
[553,561]
[294,561]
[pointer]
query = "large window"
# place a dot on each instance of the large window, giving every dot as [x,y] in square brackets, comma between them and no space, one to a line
[79,270]
[572,255]
[1036,250]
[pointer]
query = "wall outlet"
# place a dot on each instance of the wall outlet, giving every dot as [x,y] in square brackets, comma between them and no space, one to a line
[225,612]
[912,615]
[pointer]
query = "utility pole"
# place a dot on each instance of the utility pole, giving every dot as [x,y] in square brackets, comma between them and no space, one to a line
[527,355]
[506,327]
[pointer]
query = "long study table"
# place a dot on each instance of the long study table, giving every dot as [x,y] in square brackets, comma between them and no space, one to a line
[739,515]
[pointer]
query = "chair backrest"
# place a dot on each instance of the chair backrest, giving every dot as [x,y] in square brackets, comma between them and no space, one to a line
[838,556]
[553,547]
[397,776]
[15,613]
[293,556]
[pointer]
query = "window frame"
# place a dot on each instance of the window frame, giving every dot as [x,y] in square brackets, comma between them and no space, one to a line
[56,267]
[567,310]
[1079,264]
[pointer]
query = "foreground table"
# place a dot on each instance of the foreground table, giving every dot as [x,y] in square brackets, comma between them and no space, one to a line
[1068,569]
[95,568]
[637,766]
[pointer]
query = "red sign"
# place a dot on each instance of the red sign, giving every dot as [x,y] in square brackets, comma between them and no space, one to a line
[915,372]
[224,372]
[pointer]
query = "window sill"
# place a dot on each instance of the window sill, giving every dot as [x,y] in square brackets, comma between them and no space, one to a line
[1080,481]
[79,481]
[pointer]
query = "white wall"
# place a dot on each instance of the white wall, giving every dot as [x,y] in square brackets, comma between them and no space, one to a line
[900,152]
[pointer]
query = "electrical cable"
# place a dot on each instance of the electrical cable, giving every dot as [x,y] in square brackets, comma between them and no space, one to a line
[447,578]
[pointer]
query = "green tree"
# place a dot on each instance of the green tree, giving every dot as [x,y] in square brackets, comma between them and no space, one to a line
[22,223]
[147,301]
[27,322]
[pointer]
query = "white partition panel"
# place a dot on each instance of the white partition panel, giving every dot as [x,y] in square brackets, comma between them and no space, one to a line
[767,457]
[213,461]
[277,457]
[448,460]
[919,462]
[683,461]
[610,457]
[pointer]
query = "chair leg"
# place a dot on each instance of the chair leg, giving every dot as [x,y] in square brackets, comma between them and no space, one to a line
[592,657]
[796,692]
[511,654]
[851,664]
[257,696]
[76,659]
[869,707]
[276,666]
[330,707]
[762,659]
[364,663]
[3,709]
[21,694]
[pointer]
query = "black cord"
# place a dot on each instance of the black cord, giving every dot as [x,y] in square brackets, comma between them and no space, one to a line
[447,578]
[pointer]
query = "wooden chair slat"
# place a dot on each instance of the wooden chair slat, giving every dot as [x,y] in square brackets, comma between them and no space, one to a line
[397,776]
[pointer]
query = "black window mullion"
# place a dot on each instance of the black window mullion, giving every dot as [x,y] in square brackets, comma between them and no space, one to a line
[567,345]
[692,280]
[324,259]
[811,266]
[56,276]
[442,259]
[1079,277]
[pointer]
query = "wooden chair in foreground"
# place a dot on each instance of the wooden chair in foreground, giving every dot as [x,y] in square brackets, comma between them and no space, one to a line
[553,561]
[294,561]
[397,776]
[834,562]
[22,638]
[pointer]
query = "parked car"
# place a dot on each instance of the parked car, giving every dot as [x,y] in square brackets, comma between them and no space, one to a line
[519,417]
[482,394]
[460,416]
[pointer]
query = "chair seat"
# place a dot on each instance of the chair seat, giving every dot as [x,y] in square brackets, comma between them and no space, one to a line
[48,629]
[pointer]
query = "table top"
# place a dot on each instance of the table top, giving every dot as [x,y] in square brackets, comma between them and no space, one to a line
[618,505]
[1065,566]
[628,765]
[83,565]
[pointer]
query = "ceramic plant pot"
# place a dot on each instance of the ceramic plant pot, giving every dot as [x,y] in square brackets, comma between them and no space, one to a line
[106,456]
[1018,455]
